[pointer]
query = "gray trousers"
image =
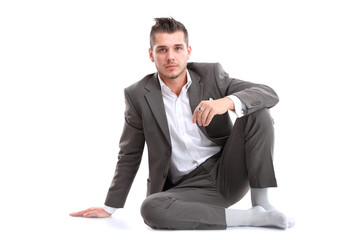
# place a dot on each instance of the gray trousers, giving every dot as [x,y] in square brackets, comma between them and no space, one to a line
[199,199]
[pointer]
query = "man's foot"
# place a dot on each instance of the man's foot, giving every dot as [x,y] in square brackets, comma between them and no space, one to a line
[259,197]
[257,217]
[267,207]
[270,208]
[268,218]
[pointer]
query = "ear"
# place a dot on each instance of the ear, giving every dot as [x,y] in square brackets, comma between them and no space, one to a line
[189,52]
[151,55]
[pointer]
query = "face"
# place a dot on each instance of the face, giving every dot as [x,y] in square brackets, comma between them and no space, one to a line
[170,55]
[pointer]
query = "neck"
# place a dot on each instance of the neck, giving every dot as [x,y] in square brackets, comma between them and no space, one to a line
[175,84]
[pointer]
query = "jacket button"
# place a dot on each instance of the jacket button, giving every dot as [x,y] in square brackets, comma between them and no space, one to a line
[164,175]
[255,103]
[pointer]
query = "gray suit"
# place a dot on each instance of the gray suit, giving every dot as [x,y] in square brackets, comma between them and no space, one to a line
[145,121]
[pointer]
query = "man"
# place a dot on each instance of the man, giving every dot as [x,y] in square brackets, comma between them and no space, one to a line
[199,163]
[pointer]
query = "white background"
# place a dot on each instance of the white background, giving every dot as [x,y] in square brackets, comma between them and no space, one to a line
[64,65]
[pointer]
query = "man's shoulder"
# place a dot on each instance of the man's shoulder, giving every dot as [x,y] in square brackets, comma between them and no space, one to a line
[203,66]
[206,70]
[140,85]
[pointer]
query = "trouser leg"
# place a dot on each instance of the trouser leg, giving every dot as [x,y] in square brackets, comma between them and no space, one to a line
[200,201]
[194,204]
[247,158]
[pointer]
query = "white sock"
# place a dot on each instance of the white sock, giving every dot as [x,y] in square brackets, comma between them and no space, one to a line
[256,216]
[259,197]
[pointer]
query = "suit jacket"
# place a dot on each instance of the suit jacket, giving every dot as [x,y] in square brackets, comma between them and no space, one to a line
[145,121]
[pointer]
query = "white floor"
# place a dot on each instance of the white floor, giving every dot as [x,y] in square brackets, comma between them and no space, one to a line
[127,223]
[42,213]
[63,68]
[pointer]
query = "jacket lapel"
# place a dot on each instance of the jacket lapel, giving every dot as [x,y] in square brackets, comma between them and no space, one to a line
[196,93]
[156,104]
[195,90]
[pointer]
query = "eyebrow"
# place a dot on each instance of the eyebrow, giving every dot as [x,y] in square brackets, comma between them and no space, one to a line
[176,45]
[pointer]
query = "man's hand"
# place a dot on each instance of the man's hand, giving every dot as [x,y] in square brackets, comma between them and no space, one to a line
[206,110]
[96,212]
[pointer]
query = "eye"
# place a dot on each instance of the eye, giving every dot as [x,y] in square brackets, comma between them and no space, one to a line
[162,50]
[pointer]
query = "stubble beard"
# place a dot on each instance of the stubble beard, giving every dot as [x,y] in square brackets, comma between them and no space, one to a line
[172,76]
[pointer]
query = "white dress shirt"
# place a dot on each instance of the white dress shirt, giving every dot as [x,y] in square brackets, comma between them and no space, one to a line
[190,147]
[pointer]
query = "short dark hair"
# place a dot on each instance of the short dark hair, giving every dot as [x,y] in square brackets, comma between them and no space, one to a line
[167,25]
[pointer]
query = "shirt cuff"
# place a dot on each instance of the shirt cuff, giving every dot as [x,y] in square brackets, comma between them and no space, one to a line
[110,210]
[240,108]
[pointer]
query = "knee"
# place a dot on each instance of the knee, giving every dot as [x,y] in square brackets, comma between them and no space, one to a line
[154,208]
[260,122]
[262,118]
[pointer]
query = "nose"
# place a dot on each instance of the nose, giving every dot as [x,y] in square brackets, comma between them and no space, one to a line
[170,55]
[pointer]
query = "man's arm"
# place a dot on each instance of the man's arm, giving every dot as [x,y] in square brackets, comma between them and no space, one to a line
[129,158]
[252,97]
[131,148]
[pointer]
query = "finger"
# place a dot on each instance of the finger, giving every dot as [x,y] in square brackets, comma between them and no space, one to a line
[80,213]
[204,116]
[196,113]
[91,214]
[76,214]
[194,116]
[199,117]
[209,119]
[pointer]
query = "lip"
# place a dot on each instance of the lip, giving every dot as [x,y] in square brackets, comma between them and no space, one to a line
[171,66]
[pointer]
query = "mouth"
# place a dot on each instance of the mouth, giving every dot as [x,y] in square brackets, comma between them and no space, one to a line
[171,66]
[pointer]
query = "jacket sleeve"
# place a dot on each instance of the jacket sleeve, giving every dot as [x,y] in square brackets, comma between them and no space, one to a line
[131,149]
[254,96]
